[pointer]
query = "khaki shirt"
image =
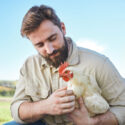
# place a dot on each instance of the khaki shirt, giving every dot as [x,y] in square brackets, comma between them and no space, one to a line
[38,80]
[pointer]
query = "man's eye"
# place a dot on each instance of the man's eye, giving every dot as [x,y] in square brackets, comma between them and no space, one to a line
[40,45]
[53,38]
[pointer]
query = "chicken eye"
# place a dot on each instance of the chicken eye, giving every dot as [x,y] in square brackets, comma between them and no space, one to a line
[66,71]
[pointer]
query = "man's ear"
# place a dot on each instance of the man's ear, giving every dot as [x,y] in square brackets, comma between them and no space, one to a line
[63,28]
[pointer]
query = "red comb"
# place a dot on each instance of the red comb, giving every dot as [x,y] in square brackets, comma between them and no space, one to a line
[62,67]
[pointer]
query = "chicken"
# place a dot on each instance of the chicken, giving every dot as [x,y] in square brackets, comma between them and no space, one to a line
[86,87]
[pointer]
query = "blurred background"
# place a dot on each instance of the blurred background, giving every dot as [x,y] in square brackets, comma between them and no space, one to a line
[95,24]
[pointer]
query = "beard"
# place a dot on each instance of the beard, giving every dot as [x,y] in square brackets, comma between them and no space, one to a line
[61,58]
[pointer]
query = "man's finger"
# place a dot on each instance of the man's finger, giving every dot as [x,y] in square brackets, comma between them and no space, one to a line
[68,110]
[67,99]
[80,101]
[64,88]
[63,93]
[68,105]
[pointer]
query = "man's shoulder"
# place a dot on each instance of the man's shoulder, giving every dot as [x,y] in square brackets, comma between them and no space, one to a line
[90,53]
[91,57]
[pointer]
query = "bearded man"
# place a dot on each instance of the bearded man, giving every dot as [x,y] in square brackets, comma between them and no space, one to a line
[41,97]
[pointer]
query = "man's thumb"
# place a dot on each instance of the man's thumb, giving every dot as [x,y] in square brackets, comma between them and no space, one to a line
[82,105]
[80,101]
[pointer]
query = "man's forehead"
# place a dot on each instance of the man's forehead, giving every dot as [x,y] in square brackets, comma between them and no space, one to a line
[39,39]
[42,34]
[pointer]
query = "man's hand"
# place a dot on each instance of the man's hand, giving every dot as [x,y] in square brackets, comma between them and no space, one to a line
[80,116]
[60,102]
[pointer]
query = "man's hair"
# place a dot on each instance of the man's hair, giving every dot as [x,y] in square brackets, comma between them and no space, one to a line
[35,16]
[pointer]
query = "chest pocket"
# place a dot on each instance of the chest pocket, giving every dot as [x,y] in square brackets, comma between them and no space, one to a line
[36,91]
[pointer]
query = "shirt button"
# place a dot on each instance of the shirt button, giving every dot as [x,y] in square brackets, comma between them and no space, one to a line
[37,93]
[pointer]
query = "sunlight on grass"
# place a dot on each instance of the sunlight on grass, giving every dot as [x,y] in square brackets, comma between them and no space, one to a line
[5,115]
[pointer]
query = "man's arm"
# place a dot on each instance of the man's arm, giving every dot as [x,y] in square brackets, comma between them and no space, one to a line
[60,102]
[113,89]
[31,111]
[105,119]
[80,117]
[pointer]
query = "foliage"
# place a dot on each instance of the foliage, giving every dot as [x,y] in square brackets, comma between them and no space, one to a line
[7,88]
[8,82]
[5,91]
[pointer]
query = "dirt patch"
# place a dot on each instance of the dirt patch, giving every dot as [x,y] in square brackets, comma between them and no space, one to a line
[6,99]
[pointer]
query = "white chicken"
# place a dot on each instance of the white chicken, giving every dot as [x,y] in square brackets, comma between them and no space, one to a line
[85,86]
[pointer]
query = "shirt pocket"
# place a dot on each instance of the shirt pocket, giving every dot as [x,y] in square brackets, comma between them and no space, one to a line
[36,93]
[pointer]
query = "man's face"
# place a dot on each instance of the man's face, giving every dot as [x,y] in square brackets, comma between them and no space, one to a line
[50,42]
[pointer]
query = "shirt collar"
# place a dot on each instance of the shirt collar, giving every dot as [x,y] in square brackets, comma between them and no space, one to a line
[73,56]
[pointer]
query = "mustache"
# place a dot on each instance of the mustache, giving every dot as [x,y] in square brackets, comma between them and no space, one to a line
[54,52]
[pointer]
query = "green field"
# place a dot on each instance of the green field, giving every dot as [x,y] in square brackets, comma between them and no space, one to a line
[4,112]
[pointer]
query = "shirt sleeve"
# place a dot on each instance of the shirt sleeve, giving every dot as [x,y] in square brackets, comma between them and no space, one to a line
[19,97]
[113,89]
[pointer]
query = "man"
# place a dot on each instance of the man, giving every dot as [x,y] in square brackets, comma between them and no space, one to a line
[42,96]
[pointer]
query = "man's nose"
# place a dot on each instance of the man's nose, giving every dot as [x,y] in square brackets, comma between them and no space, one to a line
[49,48]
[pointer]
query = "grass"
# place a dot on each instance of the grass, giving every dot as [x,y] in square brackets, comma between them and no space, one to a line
[5,114]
